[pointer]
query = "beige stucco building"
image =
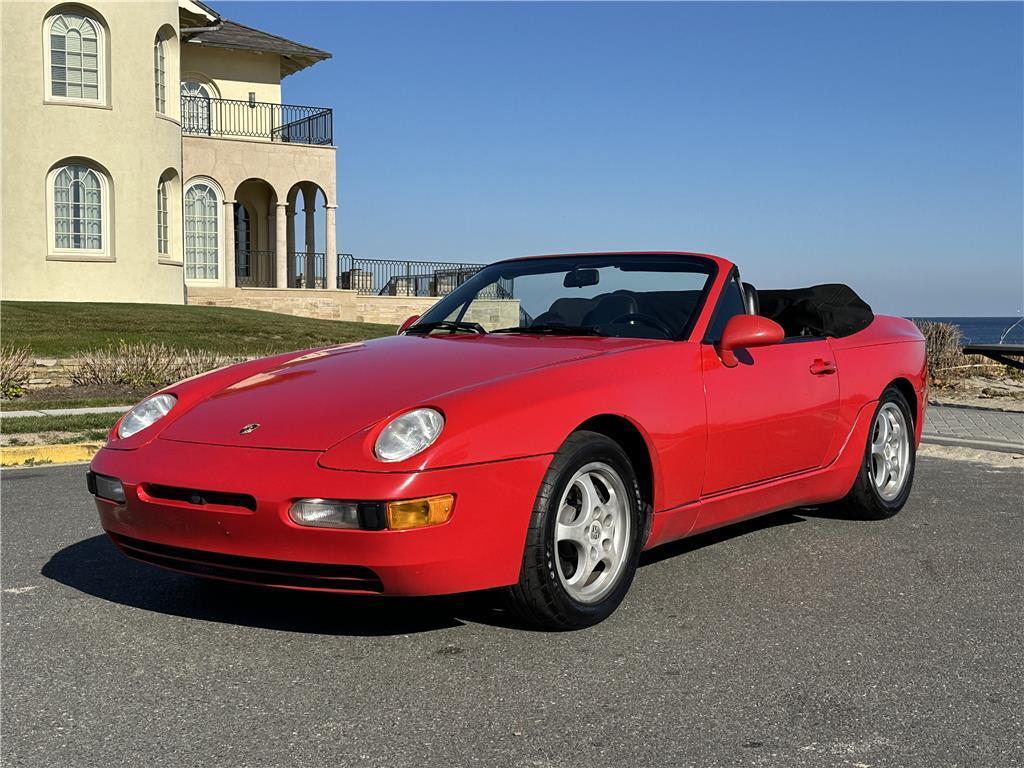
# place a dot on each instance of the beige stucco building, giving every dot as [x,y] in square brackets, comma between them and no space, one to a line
[147,153]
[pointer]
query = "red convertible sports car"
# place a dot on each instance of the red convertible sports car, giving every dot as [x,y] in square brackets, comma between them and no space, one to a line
[535,430]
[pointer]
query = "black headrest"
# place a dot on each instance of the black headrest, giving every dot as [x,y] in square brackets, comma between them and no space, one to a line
[610,307]
[570,311]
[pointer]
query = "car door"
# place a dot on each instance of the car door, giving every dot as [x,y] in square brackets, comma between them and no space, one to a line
[772,415]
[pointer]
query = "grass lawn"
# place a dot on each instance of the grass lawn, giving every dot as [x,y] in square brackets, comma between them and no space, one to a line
[53,430]
[62,329]
[25,403]
[86,396]
[81,422]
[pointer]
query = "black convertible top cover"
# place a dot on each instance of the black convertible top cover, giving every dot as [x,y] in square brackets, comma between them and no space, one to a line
[821,310]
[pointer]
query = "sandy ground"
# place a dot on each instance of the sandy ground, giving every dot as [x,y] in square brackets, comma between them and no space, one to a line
[983,392]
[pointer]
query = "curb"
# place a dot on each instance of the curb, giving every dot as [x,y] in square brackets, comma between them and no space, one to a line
[965,407]
[962,442]
[32,455]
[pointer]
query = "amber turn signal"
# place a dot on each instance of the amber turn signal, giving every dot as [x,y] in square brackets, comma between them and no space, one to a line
[419,513]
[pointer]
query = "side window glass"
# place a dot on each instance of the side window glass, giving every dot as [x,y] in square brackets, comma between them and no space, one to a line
[730,304]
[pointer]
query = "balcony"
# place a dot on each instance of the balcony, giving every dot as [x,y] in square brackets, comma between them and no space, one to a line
[262,121]
[387,277]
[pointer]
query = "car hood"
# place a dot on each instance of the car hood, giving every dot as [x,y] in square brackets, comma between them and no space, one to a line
[315,400]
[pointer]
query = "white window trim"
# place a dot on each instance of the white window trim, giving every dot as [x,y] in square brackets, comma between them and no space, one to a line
[163,217]
[101,61]
[219,192]
[53,253]
[161,83]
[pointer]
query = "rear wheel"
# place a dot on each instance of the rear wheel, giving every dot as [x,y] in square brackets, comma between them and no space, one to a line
[887,471]
[584,537]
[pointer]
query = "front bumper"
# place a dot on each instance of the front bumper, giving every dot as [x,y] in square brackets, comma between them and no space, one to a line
[480,547]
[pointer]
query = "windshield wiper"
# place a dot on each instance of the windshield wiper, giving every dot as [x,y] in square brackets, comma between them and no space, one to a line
[446,325]
[560,329]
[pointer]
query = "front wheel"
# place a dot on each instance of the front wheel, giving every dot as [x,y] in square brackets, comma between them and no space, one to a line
[887,471]
[583,542]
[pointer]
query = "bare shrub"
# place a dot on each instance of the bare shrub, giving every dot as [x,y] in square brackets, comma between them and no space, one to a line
[14,370]
[142,365]
[947,364]
[192,362]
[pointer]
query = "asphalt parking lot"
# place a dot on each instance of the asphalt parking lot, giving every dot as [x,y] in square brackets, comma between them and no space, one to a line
[796,640]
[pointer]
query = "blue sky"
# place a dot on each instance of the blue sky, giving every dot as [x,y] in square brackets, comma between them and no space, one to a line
[875,144]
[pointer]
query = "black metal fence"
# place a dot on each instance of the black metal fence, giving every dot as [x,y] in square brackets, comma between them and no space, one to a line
[288,123]
[395,277]
[370,277]
[254,269]
[310,270]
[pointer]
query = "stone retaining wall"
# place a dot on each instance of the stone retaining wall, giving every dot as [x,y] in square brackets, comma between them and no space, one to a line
[344,304]
[50,372]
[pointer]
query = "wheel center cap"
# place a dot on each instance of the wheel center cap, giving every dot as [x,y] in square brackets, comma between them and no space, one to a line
[595,531]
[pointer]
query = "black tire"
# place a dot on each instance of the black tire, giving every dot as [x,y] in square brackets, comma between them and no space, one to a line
[864,500]
[539,597]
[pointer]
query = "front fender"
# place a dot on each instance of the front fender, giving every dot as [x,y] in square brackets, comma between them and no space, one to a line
[658,388]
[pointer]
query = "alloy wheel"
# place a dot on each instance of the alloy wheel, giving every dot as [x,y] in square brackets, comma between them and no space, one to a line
[592,532]
[890,451]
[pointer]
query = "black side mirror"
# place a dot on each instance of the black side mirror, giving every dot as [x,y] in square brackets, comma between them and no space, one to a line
[581,278]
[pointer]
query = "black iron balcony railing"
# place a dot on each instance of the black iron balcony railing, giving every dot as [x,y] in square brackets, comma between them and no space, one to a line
[395,277]
[288,123]
[369,277]
[254,269]
[309,270]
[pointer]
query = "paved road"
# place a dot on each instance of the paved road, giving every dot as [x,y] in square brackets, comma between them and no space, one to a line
[798,640]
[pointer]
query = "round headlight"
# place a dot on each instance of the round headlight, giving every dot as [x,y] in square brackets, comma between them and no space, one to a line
[144,414]
[408,434]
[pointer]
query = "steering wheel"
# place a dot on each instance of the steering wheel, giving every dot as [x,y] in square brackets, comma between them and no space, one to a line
[648,320]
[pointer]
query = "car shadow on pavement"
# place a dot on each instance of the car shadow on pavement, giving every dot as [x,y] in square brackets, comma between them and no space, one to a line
[718,535]
[95,567]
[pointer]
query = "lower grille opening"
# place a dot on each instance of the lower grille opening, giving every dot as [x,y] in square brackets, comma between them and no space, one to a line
[200,497]
[251,570]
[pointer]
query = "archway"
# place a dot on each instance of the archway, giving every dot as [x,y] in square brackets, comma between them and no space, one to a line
[253,223]
[308,237]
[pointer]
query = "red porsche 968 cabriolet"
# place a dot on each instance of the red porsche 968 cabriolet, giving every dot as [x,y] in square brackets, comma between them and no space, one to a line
[534,431]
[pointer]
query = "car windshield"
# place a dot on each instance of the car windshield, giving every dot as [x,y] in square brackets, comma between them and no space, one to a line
[629,295]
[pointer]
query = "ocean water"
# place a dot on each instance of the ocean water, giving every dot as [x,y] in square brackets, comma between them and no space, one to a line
[984,330]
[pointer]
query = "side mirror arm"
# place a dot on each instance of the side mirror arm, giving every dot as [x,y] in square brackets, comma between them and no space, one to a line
[727,355]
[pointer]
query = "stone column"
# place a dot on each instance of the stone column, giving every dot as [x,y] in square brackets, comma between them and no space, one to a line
[229,244]
[290,240]
[310,210]
[330,239]
[267,244]
[281,255]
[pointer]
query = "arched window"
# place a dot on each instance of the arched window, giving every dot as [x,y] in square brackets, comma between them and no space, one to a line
[160,75]
[75,66]
[202,232]
[195,107]
[80,209]
[162,227]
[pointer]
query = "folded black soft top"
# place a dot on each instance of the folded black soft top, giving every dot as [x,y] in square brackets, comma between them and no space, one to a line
[820,310]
